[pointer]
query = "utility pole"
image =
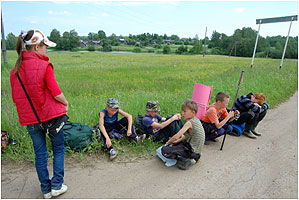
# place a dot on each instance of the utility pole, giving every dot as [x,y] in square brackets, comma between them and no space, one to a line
[3,40]
[204,47]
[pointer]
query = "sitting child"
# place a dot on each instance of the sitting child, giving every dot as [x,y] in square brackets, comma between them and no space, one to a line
[166,129]
[253,108]
[110,125]
[216,117]
[186,145]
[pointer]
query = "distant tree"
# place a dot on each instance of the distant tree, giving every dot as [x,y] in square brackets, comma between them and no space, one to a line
[11,41]
[174,37]
[178,42]
[112,37]
[215,39]
[166,49]
[165,37]
[159,40]
[91,36]
[70,40]
[55,37]
[182,49]
[91,48]
[101,34]
[197,48]
[106,46]
[245,47]
[292,49]
[74,39]
[279,45]
[137,50]
[115,43]
[65,41]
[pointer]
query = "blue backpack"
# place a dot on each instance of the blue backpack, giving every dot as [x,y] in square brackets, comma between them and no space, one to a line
[237,129]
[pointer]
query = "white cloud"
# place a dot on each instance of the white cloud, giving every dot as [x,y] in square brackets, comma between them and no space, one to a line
[104,15]
[239,10]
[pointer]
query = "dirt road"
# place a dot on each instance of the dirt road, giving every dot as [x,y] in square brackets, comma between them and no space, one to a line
[266,167]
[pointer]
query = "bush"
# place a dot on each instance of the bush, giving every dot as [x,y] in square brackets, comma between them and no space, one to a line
[217,51]
[157,46]
[137,50]
[166,49]
[182,50]
[91,48]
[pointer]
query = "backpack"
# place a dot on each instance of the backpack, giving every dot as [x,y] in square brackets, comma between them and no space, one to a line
[237,129]
[140,129]
[76,135]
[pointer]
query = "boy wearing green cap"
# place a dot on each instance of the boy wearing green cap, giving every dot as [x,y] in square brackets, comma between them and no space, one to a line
[160,131]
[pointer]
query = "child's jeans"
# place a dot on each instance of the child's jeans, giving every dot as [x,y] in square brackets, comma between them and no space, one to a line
[212,132]
[121,127]
[38,137]
[169,131]
[252,119]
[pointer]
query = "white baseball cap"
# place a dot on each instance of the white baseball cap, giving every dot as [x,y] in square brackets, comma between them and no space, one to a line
[37,38]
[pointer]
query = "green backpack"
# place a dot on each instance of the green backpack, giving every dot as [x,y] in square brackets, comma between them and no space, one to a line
[76,135]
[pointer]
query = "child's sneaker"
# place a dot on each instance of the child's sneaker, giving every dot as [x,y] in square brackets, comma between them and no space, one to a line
[48,195]
[140,138]
[186,164]
[62,190]
[113,154]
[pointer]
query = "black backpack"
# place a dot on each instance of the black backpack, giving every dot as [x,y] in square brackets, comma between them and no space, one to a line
[140,129]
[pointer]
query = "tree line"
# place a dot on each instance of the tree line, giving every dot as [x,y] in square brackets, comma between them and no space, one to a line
[241,43]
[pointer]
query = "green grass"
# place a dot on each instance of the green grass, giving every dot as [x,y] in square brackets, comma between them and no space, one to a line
[89,79]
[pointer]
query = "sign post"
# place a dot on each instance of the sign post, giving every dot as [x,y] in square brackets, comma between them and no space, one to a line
[274,20]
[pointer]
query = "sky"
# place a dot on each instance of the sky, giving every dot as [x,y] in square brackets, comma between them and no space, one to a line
[183,18]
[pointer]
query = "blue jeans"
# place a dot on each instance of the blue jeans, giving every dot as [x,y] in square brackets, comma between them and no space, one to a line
[217,132]
[38,137]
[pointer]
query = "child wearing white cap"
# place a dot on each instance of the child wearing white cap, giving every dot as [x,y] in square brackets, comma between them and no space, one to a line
[37,75]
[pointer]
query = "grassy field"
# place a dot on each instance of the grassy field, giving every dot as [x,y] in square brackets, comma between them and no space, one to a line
[89,79]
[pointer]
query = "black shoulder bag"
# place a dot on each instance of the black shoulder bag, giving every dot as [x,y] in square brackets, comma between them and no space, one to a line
[52,126]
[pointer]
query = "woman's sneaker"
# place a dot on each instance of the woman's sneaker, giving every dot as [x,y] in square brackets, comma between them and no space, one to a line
[113,154]
[62,190]
[48,195]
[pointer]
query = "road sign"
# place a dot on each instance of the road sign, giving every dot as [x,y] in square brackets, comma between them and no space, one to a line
[277,19]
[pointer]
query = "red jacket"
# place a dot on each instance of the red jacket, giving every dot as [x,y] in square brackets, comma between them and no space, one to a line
[33,74]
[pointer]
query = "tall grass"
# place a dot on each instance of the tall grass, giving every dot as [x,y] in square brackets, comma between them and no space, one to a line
[89,79]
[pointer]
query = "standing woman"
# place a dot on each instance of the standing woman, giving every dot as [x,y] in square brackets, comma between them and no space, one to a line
[37,75]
